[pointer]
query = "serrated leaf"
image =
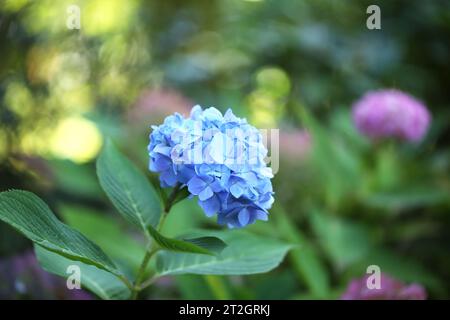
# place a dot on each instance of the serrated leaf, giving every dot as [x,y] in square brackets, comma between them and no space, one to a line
[244,254]
[102,283]
[27,213]
[113,238]
[212,244]
[128,188]
[201,245]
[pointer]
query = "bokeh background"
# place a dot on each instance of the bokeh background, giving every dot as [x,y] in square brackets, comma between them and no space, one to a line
[293,65]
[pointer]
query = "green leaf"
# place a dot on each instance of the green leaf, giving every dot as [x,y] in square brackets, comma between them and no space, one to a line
[33,218]
[201,245]
[283,281]
[332,160]
[113,238]
[193,287]
[212,244]
[244,254]
[128,188]
[102,283]
[408,198]
[345,241]
[76,179]
[305,260]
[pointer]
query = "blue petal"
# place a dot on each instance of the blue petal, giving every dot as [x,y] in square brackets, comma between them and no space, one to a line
[237,190]
[185,173]
[162,149]
[244,217]
[230,117]
[212,114]
[217,148]
[205,194]
[196,185]
[196,112]
[261,215]
[169,178]
[161,163]
[216,186]
[210,206]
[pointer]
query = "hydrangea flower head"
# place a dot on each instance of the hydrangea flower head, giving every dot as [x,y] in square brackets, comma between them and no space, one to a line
[218,158]
[391,114]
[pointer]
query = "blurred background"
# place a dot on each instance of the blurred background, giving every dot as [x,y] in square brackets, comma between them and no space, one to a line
[294,65]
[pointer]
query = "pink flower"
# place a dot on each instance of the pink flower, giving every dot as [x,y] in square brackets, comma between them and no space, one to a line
[390,289]
[391,114]
[295,145]
[157,104]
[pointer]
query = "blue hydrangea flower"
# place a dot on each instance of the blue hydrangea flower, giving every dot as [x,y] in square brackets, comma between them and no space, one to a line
[219,159]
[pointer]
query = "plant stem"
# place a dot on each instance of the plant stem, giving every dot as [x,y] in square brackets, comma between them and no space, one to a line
[126,282]
[150,252]
[137,285]
[171,199]
[217,286]
[169,203]
[148,282]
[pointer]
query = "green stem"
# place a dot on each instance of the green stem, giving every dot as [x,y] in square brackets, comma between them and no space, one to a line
[148,282]
[139,285]
[126,282]
[217,286]
[169,203]
[171,199]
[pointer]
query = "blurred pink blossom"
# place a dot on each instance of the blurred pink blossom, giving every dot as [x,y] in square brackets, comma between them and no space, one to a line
[294,145]
[153,105]
[391,114]
[391,289]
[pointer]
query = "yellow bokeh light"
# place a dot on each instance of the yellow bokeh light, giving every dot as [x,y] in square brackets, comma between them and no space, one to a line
[265,110]
[36,142]
[115,85]
[18,99]
[103,16]
[73,70]
[42,64]
[264,119]
[268,100]
[273,80]
[78,100]
[13,5]
[46,16]
[76,139]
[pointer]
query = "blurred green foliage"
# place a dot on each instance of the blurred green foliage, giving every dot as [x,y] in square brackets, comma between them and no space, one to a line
[293,65]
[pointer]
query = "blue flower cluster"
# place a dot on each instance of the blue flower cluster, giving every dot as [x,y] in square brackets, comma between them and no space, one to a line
[220,159]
